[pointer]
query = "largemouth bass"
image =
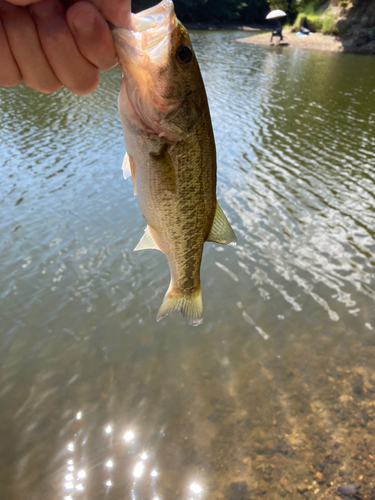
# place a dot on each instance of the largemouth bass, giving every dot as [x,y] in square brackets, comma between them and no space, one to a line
[170,150]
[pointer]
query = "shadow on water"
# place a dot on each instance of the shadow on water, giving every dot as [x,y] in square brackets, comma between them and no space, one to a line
[273,396]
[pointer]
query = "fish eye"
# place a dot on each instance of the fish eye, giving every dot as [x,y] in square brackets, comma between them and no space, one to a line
[184,54]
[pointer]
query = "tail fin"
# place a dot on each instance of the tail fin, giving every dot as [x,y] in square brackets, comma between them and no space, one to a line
[190,306]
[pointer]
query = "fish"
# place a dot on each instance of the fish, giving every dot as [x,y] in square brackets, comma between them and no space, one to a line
[170,150]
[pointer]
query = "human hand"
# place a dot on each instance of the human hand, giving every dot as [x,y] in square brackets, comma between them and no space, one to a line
[47,46]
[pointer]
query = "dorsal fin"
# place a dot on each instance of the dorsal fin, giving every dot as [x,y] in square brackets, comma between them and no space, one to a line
[147,242]
[221,231]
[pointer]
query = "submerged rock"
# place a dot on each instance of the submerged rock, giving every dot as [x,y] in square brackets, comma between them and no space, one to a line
[238,491]
[349,490]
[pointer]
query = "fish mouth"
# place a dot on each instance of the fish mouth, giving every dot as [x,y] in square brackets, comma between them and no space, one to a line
[149,38]
[142,52]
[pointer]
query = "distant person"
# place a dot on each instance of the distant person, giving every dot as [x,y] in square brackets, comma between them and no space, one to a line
[278,32]
[303,28]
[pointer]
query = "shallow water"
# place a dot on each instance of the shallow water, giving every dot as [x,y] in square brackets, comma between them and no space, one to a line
[273,395]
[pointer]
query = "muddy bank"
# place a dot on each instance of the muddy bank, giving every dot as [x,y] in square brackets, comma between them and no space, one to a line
[317,41]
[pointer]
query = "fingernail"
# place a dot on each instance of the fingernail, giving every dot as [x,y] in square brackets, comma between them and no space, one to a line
[83,21]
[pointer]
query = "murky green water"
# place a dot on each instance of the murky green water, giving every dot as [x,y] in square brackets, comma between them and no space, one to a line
[274,394]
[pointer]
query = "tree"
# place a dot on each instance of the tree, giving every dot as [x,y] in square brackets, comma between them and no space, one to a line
[214,11]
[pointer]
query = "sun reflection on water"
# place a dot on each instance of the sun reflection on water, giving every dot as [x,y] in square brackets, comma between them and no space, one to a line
[196,488]
[138,469]
[129,436]
[121,458]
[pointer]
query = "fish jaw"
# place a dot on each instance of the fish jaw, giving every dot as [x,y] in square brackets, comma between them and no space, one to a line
[147,45]
[149,38]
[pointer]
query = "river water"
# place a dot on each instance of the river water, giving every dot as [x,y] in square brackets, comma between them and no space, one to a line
[273,395]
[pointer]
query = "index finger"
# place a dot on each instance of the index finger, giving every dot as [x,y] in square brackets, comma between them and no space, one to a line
[92,35]
[10,74]
[72,69]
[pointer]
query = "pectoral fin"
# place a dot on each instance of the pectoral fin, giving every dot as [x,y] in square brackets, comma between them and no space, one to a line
[221,231]
[147,242]
[128,169]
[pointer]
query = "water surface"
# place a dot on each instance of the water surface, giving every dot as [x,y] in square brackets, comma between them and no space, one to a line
[273,395]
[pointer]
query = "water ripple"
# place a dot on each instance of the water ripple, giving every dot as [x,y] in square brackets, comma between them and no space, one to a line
[102,400]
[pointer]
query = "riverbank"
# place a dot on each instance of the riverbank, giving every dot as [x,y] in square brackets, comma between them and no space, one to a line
[261,35]
[317,41]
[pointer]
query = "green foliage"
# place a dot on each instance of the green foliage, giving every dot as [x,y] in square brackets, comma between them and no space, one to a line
[250,11]
[314,21]
[317,22]
[214,11]
[288,6]
[298,21]
[343,4]
[329,25]
[299,8]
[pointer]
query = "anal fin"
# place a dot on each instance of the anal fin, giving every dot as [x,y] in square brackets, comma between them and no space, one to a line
[221,231]
[147,242]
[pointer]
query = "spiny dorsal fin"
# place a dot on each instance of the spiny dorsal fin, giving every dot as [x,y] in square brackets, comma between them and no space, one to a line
[221,232]
[128,169]
[147,241]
